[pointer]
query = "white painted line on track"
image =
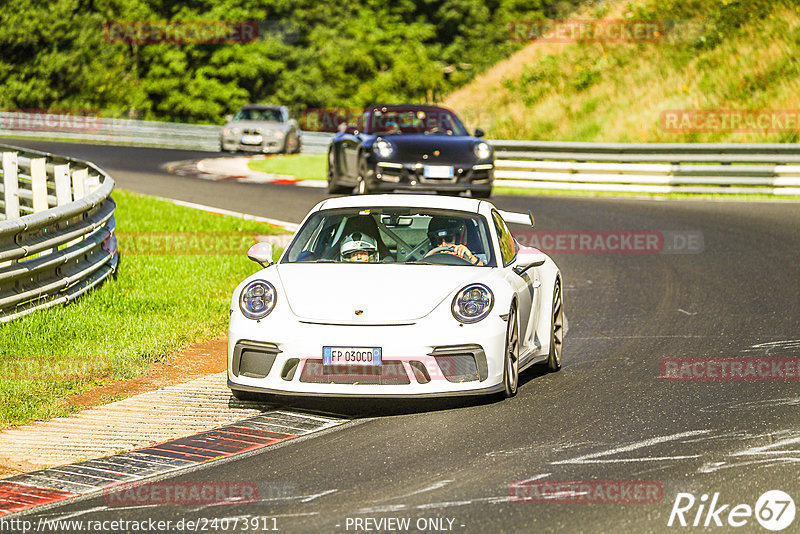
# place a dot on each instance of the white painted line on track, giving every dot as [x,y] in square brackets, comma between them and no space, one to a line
[286,225]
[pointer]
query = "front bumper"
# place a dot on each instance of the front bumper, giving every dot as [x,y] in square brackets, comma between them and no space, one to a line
[268,145]
[388,176]
[284,357]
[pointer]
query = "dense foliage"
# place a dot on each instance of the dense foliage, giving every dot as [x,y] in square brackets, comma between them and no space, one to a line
[54,54]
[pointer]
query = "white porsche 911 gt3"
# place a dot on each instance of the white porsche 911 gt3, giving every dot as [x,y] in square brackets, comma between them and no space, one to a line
[396,296]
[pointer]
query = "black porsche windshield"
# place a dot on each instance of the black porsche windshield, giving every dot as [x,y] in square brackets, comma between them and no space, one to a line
[400,121]
[393,235]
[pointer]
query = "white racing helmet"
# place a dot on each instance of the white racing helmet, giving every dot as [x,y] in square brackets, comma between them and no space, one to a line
[358,242]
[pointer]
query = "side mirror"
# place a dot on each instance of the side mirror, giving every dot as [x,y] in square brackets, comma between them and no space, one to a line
[228,118]
[526,260]
[261,253]
[479,132]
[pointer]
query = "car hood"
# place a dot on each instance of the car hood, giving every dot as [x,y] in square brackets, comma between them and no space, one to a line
[383,293]
[412,148]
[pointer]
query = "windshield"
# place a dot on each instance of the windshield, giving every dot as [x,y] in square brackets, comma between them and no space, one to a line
[255,114]
[393,235]
[415,121]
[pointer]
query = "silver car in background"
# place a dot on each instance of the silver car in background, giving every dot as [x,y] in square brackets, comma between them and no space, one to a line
[263,129]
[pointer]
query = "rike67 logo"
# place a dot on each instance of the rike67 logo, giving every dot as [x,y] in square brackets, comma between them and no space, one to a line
[774,510]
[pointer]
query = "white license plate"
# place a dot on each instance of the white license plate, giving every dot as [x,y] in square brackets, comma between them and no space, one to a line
[351,356]
[438,171]
[251,139]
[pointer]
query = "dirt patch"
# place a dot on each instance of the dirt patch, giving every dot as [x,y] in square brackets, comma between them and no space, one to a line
[199,359]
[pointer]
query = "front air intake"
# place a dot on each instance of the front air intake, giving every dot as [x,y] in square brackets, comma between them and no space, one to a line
[461,363]
[254,359]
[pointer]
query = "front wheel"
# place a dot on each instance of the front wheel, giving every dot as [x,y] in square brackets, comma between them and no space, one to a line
[511,360]
[556,330]
[362,186]
[333,186]
[292,144]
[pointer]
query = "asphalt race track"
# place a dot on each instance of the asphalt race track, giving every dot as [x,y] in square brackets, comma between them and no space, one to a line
[607,416]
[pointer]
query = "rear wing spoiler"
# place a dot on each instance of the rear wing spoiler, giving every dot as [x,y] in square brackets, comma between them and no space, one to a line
[517,218]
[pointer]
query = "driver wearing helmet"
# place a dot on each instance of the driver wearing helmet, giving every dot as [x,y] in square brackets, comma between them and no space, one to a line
[359,248]
[447,236]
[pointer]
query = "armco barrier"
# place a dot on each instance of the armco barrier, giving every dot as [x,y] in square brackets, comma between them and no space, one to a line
[128,132]
[715,168]
[56,230]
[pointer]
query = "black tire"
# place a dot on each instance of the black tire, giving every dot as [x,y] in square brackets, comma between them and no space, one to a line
[333,186]
[362,185]
[556,330]
[511,357]
[481,193]
[245,395]
[290,146]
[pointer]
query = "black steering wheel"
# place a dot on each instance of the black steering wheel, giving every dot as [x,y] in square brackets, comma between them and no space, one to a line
[440,255]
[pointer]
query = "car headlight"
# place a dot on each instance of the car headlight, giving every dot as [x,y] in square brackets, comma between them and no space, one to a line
[473,303]
[483,150]
[257,299]
[384,148]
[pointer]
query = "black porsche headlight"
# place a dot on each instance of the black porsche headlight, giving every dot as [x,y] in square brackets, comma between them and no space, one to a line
[384,148]
[473,303]
[257,299]
[483,150]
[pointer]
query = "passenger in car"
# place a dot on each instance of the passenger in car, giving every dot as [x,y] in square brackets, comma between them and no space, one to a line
[359,248]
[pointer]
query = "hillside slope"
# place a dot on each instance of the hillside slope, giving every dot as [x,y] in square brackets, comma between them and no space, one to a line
[714,55]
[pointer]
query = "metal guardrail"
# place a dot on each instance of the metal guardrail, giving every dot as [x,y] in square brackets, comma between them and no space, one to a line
[56,230]
[712,168]
[129,132]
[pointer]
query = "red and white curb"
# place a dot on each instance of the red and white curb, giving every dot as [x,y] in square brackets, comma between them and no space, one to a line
[235,169]
[30,490]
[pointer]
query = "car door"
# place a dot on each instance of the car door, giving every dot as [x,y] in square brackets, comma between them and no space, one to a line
[525,285]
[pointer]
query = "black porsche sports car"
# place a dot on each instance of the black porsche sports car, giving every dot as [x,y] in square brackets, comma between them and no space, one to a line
[410,147]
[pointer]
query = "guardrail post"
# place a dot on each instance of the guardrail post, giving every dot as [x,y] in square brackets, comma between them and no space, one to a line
[79,183]
[11,185]
[63,189]
[39,184]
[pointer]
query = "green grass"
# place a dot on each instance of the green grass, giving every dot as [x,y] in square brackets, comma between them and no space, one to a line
[301,166]
[734,55]
[160,303]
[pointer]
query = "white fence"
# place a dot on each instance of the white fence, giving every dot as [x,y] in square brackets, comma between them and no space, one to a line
[56,230]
